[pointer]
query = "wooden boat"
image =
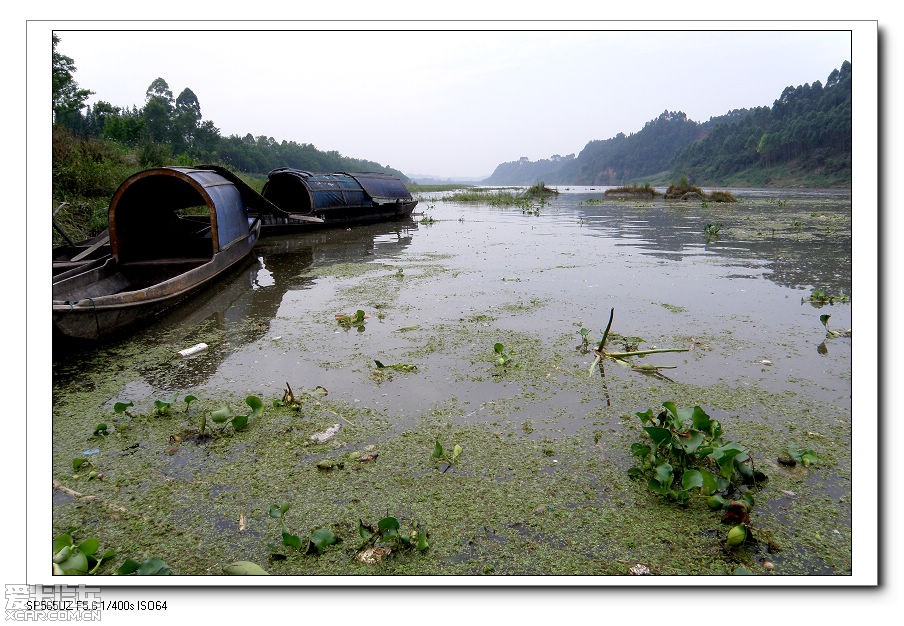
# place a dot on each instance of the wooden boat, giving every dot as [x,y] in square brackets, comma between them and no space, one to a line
[172,231]
[294,200]
[339,198]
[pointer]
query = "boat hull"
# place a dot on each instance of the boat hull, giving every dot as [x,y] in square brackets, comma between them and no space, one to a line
[108,304]
[273,225]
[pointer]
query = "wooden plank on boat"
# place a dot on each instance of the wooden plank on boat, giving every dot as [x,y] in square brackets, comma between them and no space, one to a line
[81,255]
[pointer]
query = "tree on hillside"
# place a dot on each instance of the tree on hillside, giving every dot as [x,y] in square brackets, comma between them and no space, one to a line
[808,128]
[68,99]
[186,117]
[158,110]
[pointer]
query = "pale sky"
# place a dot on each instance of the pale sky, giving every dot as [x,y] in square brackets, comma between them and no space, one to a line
[451,103]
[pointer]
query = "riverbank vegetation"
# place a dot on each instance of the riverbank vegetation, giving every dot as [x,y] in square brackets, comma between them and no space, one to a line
[96,147]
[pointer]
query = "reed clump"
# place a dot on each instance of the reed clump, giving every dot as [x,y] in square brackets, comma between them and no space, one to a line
[721,196]
[683,190]
[540,190]
[645,191]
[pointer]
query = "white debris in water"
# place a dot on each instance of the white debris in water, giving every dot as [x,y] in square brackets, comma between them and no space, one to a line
[198,347]
[326,435]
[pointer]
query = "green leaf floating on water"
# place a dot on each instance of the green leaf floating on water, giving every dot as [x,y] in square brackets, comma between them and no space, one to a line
[422,540]
[76,563]
[692,441]
[725,455]
[665,474]
[244,568]
[293,541]
[701,421]
[389,527]
[89,546]
[277,511]
[710,485]
[659,435]
[736,536]
[63,541]
[321,539]
[691,479]
[257,407]
[151,567]
[154,567]
[221,415]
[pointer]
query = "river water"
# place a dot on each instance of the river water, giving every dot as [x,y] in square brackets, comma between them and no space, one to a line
[439,290]
[740,294]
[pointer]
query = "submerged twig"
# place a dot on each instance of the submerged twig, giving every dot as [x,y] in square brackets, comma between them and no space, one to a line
[616,355]
[89,498]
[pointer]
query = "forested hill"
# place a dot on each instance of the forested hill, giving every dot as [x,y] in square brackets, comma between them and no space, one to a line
[803,139]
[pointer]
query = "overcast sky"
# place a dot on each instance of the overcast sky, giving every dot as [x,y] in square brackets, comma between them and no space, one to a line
[451,104]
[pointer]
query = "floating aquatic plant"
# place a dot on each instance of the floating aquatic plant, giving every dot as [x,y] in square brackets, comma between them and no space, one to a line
[244,568]
[622,357]
[123,407]
[441,455]
[384,372]
[71,558]
[687,455]
[502,357]
[831,334]
[388,534]
[295,402]
[804,456]
[352,320]
[820,296]
[149,567]
[711,232]
[239,422]
[316,543]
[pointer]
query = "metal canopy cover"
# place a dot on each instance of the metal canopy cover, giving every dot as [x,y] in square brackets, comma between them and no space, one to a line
[144,213]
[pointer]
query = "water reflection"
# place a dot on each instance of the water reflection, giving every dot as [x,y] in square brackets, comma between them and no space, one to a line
[239,308]
[758,232]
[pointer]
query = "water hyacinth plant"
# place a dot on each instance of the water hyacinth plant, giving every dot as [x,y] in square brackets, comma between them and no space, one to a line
[239,422]
[688,456]
[316,543]
[441,455]
[352,320]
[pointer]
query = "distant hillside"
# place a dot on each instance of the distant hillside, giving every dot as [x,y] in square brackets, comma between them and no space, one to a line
[803,139]
[527,172]
[807,130]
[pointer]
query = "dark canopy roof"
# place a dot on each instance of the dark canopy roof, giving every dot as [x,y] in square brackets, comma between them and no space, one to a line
[301,191]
